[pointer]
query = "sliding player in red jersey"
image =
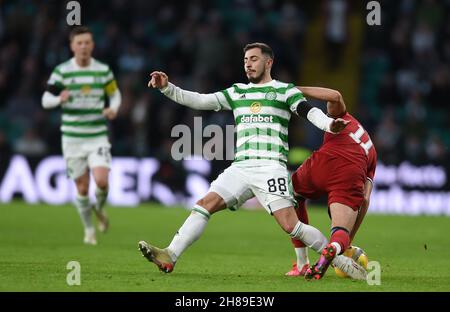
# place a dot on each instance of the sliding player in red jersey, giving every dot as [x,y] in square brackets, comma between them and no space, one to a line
[342,168]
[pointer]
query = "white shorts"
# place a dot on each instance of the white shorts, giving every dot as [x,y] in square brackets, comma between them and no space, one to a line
[270,183]
[83,154]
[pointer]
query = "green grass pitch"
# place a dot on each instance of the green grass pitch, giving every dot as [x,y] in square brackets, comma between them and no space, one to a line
[239,251]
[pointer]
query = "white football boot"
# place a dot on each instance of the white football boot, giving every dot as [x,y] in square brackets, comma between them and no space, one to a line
[89,237]
[350,267]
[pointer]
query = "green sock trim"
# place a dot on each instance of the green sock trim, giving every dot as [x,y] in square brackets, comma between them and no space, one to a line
[100,192]
[84,200]
[206,214]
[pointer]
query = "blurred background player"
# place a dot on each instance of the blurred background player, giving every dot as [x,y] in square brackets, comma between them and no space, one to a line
[343,168]
[80,86]
[262,110]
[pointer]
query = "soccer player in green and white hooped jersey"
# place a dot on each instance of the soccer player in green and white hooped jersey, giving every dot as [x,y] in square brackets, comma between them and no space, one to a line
[262,110]
[80,87]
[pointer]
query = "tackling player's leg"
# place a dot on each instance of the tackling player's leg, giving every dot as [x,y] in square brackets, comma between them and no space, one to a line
[309,235]
[301,251]
[342,219]
[302,183]
[314,239]
[189,232]
[345,264]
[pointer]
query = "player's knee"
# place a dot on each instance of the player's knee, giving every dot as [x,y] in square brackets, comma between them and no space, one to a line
[286,218]
[83,189]
[211,203]
[288,228]
[286,225]
[207,204]
[102,183]
[82,184]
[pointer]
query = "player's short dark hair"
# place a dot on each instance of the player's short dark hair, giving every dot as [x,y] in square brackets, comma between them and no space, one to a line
[78,30]
[265,48]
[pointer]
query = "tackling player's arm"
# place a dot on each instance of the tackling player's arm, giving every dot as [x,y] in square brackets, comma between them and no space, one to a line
[372,165]
[367,191]
[190,99]
[335,102]
[319,119]
[364,207]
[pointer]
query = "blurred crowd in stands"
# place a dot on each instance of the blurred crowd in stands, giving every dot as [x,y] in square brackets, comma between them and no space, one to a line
[405,86]
[404,76]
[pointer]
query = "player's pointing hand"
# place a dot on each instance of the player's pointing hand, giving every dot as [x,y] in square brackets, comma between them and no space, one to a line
[158,80]
[337,125]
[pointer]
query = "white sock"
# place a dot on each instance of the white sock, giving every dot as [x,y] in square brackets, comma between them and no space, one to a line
[310,236]
[101,196]
[302,257]
[338,247]
[89,231]
[84,210]
[189,232]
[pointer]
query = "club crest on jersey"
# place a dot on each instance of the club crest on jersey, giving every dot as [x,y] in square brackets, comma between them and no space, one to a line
[255,108]
[271,95]
[85,90]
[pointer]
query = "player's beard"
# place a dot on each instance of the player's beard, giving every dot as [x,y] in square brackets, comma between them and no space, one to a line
[256,79]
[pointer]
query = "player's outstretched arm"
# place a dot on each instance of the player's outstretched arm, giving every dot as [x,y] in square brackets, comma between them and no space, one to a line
[160,80]
[338,124]
[335,102]
[320,120]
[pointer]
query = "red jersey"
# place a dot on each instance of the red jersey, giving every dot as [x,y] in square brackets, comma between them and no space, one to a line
[354,144]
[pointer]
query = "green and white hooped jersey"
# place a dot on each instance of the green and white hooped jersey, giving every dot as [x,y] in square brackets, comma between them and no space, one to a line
[262,113]
[88,86]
